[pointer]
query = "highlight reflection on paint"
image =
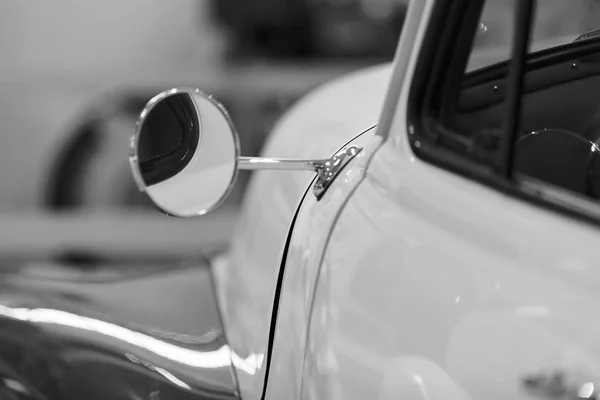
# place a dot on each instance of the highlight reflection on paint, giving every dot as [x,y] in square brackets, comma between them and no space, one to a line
[220,358]
[250,364]
[586,391]
[172,378]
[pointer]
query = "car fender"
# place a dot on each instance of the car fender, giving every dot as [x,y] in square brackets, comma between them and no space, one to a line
[246,278]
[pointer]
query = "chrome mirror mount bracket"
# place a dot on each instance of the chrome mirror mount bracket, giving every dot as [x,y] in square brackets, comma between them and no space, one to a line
[326,169]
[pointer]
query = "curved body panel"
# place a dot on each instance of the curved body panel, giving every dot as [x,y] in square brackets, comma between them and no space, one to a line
[307,243]
[435,302]
[316,128]
[67,339]
[433,286]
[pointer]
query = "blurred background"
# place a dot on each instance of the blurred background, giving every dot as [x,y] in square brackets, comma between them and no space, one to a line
[74,76]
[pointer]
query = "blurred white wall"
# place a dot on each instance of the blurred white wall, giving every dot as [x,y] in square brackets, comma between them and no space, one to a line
[56,56]
[108,36]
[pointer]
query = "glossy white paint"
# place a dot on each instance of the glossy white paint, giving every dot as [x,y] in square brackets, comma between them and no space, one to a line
[315,128]
[433,283]
[407,281]
[433,286]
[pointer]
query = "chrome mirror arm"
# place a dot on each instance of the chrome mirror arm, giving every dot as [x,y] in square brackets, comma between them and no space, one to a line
[326,170]
[257,163]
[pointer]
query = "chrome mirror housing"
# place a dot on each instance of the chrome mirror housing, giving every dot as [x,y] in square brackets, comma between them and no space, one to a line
[185,154]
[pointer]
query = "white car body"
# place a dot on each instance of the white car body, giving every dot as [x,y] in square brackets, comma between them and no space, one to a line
[405,281]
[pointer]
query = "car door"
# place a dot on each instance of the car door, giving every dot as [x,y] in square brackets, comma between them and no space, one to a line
[449,274]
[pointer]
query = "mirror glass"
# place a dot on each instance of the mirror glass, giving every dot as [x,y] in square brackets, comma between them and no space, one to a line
[184,152]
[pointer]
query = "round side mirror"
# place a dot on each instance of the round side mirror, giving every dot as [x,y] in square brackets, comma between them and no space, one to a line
[184,152]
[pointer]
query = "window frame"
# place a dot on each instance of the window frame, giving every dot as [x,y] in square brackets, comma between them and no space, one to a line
[440,66]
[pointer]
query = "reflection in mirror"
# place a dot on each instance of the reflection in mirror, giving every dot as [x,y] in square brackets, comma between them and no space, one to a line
[184,152]
[168,139]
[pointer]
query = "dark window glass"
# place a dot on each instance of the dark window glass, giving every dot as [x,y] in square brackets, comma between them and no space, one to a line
[558,132]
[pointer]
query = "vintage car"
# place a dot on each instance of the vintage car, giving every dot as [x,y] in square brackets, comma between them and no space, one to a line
[423,233]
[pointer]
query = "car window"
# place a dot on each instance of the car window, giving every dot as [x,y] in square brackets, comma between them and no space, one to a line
[493,38]
[532,122]
[559,123]
[556,22]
